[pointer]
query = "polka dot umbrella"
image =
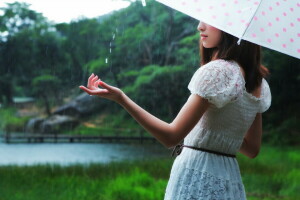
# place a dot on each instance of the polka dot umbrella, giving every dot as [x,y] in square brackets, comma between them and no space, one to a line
[274,24]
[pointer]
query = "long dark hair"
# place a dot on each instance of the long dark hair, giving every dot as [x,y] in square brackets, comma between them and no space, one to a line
[247,55]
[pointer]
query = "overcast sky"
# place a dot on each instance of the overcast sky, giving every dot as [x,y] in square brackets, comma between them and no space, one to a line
[66,10]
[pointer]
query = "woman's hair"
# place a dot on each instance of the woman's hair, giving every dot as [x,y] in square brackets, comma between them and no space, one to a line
[247,55]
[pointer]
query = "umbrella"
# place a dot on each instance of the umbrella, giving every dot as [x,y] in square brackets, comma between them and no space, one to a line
[274,24]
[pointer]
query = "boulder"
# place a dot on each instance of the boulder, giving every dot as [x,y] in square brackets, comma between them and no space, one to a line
[53,124]
[57,123]
[33,125]
[81,106]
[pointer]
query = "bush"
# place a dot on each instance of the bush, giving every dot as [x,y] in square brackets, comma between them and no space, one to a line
[10,122]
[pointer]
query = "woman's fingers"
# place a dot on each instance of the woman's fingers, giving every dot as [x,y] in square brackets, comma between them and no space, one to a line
[90,79]
[96,84]
[93,92]
[106,86]
[93,80]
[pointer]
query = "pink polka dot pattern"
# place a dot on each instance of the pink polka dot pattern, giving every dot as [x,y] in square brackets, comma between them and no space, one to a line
[273,24]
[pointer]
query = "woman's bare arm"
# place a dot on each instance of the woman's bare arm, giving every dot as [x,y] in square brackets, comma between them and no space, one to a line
[252,140]
[169,134]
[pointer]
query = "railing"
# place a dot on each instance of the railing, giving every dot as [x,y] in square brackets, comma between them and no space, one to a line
[71,138]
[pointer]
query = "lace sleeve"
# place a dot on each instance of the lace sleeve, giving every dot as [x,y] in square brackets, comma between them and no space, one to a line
[266,97]
[219,81]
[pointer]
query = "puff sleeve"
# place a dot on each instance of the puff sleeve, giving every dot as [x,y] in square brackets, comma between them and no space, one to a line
[220,82]
[266,97]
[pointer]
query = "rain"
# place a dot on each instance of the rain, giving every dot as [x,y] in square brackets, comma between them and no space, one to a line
[56,137]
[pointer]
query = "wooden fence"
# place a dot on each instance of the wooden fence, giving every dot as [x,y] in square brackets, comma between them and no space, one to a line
[65,138]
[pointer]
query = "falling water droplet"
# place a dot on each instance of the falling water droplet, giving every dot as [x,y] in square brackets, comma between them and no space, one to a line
[114,35]
[106,60]
[143,2]
[109,50]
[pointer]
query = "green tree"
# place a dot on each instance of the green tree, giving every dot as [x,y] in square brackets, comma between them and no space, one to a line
[46,87]
[26,49]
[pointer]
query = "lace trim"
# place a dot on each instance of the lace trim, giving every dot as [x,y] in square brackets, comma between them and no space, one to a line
[218,82]
[197,185]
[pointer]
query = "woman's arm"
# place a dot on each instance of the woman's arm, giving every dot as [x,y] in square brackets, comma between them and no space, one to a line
[252,140]
[169,134]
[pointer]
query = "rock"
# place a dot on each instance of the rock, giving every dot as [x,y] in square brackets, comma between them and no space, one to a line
[57,123]
[33,125]
[81,106]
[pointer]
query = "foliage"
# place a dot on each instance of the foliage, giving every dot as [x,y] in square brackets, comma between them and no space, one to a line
[139,185]
[46,86]
[10,122]
[156,85]
[287,133]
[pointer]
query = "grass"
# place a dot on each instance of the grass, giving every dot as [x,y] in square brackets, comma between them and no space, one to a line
[10,121]
[108,125]
[274,174]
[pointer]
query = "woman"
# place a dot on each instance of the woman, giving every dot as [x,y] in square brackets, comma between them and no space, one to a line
[221,117]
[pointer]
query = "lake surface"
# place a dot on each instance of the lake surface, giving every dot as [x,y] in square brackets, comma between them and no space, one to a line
[78,153]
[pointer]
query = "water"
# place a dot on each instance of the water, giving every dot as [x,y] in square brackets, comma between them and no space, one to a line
[68,154]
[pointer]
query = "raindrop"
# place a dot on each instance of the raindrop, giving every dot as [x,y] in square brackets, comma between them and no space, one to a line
[114,35]
[106,60]
[143,2]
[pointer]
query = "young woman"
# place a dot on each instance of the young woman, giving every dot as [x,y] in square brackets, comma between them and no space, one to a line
[221,117]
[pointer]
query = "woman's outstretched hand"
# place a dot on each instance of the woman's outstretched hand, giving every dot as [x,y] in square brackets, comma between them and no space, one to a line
[106,91]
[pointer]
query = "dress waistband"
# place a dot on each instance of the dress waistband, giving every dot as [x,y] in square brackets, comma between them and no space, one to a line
[178,148]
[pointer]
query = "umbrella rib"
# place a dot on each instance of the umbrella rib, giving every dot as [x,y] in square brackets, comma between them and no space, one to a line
[251,19]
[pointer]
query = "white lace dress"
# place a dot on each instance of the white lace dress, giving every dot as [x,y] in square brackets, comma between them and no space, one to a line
[198,175]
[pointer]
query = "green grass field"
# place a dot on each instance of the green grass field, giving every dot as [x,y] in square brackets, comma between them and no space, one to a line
[274,174]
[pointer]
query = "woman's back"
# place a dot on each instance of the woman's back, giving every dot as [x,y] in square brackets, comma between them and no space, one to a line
[225,123]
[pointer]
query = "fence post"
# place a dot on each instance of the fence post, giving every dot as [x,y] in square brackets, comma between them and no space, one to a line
[7,136]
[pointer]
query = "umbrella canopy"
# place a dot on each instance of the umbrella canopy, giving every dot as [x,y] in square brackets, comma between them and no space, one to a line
[274,24]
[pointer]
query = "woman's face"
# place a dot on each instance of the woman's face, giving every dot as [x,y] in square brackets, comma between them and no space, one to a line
[210,36]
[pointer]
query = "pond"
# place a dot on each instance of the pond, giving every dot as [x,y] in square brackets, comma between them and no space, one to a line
[67,154]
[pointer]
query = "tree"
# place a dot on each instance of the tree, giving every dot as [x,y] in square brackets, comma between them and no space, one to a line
[19,29]
[46,87]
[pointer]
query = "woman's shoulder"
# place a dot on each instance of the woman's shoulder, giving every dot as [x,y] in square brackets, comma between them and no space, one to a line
[219,81]
[221,67]
[219,63]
